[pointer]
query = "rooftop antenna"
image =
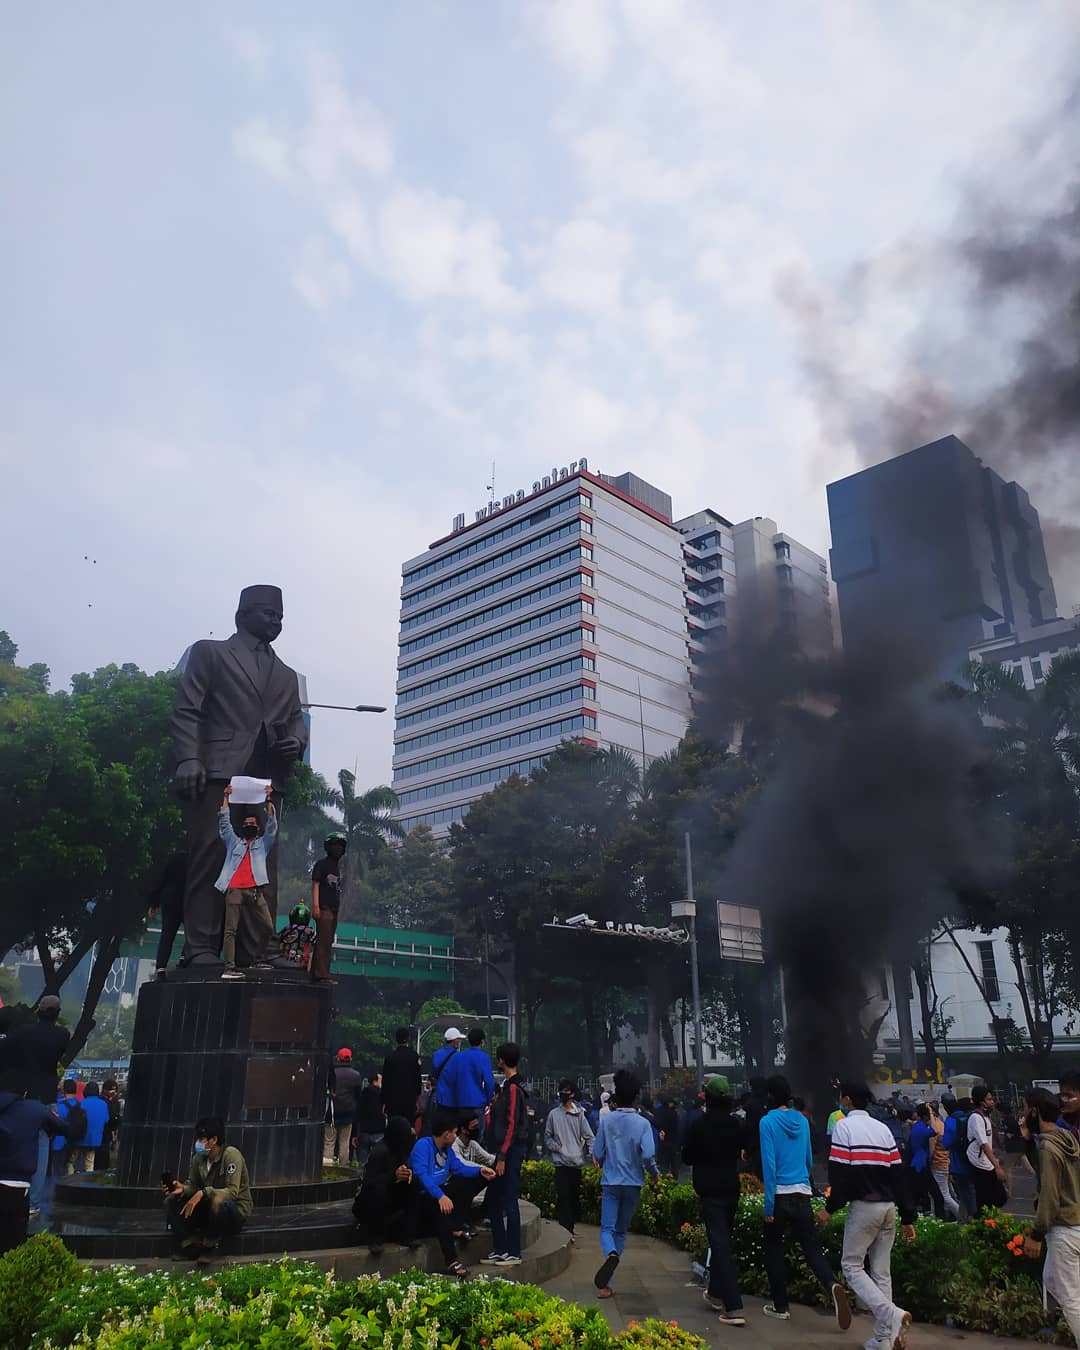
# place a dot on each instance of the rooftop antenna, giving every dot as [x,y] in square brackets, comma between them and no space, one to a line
[491,485]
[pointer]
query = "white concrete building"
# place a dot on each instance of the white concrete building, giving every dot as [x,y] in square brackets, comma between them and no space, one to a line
[1031,651]
[557,612]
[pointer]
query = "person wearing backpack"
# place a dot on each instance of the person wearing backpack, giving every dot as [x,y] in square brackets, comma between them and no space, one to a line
[71,1109]
[955,1139]
[85,1146]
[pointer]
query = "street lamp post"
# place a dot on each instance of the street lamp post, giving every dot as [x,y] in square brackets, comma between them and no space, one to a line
[687,909]
[346,707]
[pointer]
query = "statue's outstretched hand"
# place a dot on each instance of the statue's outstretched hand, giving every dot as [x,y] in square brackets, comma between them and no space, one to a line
[190,778]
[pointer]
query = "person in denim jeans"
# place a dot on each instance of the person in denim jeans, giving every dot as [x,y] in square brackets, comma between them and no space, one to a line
[625,1148]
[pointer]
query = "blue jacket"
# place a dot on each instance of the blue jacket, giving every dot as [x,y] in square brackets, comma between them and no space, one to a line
[97,1117]
[786,1156]
[60,1143]
[433,1169]
[235,847]
[919,1146]
[954,1139]
[466,1080]
[624,1146]
[21,1120]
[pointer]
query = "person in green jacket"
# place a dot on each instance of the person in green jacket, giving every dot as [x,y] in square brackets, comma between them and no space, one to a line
[215,1202]
[1058,1217]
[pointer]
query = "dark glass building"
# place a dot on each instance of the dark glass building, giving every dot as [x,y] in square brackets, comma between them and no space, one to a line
[935,549]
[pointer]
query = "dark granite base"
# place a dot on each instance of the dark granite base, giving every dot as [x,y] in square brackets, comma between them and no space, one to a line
[84,1193]
[251,1052]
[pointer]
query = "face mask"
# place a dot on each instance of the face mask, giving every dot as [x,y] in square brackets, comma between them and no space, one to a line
[250,831]
[566,1096]
[201,1147]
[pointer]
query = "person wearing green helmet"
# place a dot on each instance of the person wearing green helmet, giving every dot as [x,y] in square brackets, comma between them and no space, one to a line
[326,886]
[297,940]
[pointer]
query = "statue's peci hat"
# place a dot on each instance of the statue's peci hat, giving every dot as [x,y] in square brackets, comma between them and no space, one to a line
[260,595]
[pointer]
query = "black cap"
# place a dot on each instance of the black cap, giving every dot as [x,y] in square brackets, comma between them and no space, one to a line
[260,595]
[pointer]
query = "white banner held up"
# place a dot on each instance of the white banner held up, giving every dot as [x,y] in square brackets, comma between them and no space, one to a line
[247,791]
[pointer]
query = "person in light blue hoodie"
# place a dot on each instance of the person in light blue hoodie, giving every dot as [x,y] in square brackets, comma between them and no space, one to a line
[787,1163]
[625,1148]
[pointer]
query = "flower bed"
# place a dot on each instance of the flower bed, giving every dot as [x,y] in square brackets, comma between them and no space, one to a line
[972,1275]
[49,1302]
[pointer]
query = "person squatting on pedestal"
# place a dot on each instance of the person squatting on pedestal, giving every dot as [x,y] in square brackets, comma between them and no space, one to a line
[447,1187]
[385,1204]
[568,1139]
[216,1201]
[326,889]
[867,1174]
[1057,1219]
[787,1165]
[715,1145]
[243,880]
[625,1148]
[296,941]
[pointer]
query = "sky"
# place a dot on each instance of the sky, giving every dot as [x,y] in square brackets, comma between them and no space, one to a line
[283,282]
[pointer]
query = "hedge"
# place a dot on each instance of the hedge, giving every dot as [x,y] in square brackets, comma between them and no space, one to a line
[48,1301]
[973,1275]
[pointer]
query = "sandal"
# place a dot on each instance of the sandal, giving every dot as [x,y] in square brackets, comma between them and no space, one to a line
[606,1292]
[458,1270]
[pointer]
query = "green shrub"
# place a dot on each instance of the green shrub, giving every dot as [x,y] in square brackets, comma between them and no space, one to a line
[654,1335]
[30,1276]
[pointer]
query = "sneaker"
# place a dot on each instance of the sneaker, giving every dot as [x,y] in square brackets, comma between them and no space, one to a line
[899,1329]
[717,1303]
[262,965]
[35,1212]
[602,1278]
[493,1258]
[841,1306]
[771,1310]
[232,975]
[731,1319]
[160,973]
[507,1260]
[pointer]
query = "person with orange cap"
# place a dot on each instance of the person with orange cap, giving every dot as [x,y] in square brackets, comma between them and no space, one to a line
[343,1089]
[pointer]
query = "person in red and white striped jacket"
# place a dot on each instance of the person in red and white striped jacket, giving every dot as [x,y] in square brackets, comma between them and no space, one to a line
[867,1174]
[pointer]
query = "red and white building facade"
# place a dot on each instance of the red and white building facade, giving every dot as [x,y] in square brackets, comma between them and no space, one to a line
[558,612]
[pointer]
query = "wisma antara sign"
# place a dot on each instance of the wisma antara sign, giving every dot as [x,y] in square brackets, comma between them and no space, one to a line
[498,504]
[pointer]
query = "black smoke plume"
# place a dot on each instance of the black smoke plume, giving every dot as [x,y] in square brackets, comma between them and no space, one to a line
[995,352]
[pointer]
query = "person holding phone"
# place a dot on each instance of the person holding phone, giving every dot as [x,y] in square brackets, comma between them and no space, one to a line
[216,1201]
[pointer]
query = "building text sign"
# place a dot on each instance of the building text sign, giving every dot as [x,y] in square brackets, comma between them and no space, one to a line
[498,504]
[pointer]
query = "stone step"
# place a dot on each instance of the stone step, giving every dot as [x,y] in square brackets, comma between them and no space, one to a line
[545,1254]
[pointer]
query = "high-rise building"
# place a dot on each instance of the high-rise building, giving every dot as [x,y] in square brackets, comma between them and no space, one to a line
[934,548]
[1031,652]
[558,612]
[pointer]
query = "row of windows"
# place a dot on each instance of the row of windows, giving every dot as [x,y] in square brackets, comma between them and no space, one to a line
[558,508]
[495,612]
[564,559]
[446,816]
[525,681]
[714,539]
[477,672]
[490,564]
[482,778]
[491,719]
[511,742]
[493,639]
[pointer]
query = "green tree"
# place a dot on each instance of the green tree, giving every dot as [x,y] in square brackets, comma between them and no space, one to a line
[368,819]
[410,886]
[89,815]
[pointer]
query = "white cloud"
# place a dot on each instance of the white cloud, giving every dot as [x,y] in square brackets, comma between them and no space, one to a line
[250,47]
[321,278]
[586,265]
[263,147]
[579,33]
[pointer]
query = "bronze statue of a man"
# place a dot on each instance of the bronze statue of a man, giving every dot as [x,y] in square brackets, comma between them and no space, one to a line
[237,711]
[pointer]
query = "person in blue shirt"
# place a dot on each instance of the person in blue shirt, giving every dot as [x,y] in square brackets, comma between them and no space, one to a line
[466,1083]
[787,1164]
[61,1145]
[625,1148]
[97,1118]
[445,1188]
[440,1060]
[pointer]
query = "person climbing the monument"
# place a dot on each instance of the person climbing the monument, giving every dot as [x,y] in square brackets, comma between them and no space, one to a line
[242,881]
[326,888]
[297,938]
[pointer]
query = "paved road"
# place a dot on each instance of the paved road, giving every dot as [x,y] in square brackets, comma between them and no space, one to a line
[652,1281]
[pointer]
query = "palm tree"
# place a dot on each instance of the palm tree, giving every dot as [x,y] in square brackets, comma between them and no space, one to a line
[368,819]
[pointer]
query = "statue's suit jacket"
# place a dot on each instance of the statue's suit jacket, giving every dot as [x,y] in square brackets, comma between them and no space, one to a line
[224,705]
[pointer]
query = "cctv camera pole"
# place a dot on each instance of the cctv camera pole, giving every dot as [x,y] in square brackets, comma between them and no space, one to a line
[687,909]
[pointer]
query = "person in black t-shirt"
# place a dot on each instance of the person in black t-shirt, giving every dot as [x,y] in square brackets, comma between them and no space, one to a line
[326,878]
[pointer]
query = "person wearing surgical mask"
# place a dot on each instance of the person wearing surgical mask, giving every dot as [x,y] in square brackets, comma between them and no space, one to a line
[243,881]
[215,1202]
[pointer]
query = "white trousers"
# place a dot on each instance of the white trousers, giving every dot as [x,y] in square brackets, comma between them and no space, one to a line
[869,1231]
[941,1181]
[1061,1274]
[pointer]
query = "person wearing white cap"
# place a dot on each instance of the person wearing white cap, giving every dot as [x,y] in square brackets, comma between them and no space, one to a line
[453,1038]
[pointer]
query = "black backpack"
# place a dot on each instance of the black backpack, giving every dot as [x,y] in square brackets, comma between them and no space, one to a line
[79,1122]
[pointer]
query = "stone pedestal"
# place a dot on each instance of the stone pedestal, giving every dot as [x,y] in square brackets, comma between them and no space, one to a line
[252,1052]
